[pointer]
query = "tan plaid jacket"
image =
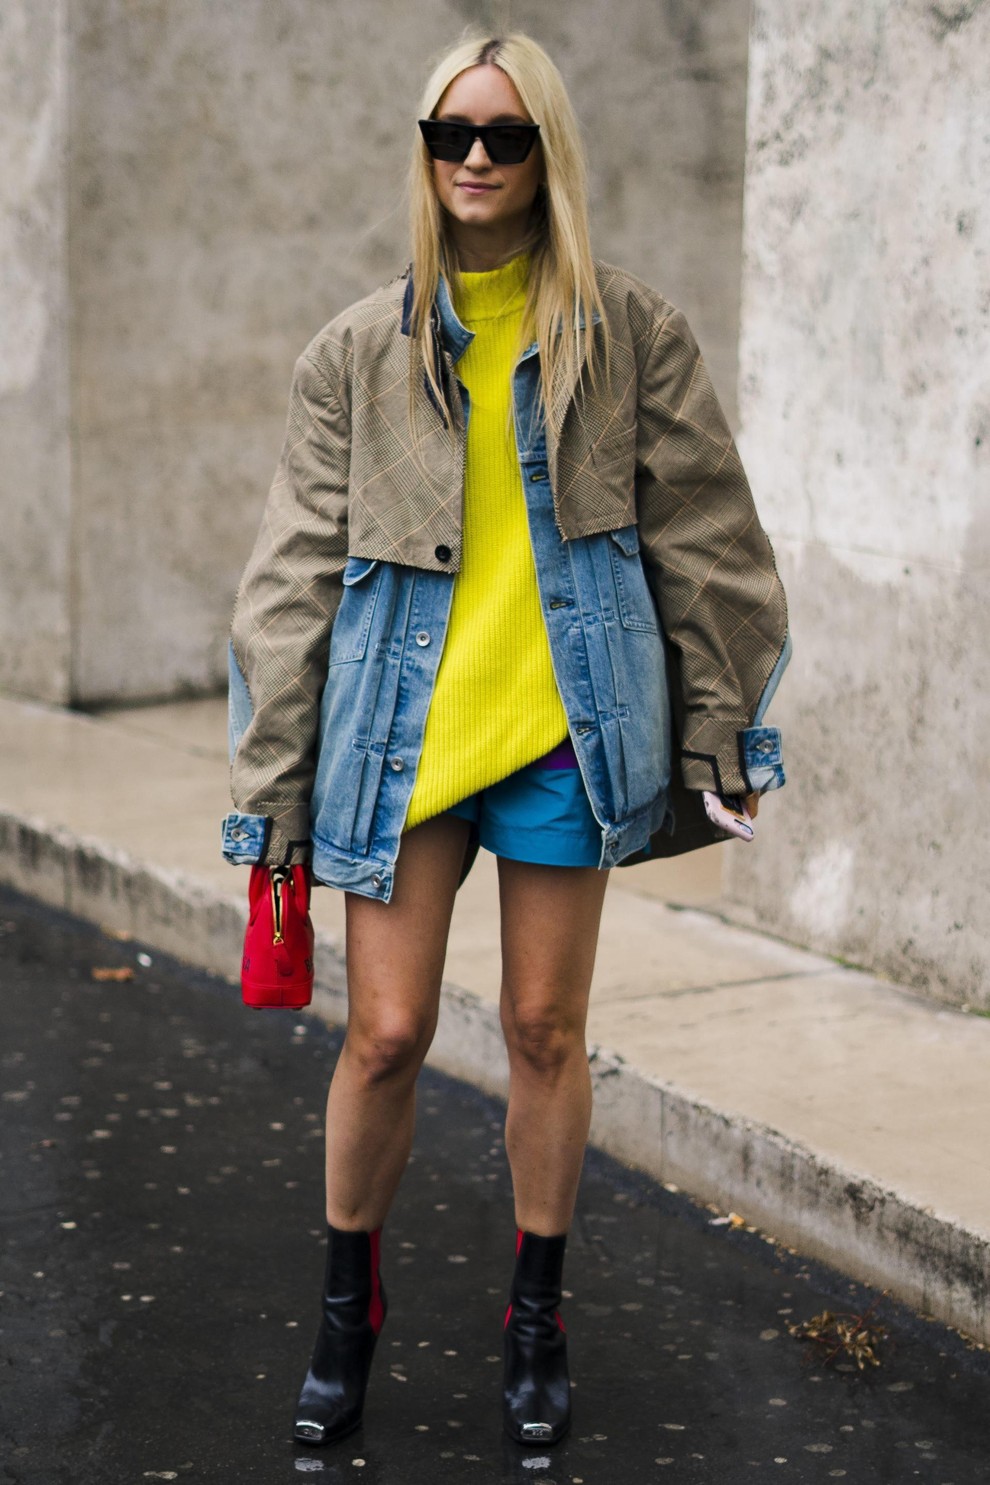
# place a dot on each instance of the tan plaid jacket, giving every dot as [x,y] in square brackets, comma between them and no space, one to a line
[651,446]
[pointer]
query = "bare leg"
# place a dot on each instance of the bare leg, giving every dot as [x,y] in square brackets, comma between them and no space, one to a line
[395,956]
[550,920]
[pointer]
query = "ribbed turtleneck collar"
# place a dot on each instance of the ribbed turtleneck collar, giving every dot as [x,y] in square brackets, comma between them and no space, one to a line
[493,295]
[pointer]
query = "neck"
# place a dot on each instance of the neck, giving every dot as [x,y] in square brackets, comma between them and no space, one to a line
[480,249]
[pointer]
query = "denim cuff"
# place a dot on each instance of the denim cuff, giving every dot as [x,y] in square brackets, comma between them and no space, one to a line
[761,759]
[744,760]
[250,840]
[244,838]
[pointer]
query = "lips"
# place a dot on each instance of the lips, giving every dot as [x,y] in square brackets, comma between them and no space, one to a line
[474,189]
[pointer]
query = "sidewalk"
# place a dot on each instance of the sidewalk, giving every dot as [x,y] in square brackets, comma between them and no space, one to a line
[163,1245]
[842,1115]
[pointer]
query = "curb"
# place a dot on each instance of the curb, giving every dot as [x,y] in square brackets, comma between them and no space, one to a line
[784,1188]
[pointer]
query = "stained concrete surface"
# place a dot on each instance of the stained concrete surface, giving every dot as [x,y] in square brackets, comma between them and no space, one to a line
[865,407]
[161,1210]
[35,464]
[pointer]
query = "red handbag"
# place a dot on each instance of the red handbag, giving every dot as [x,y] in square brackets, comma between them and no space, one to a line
[277,967]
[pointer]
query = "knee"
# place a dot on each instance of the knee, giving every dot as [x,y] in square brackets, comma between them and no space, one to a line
[542,1038]
[388,1048]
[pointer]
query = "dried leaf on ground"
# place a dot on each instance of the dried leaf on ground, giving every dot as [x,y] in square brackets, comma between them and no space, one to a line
[844,1335]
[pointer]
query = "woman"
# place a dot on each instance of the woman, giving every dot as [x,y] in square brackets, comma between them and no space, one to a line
[498,470]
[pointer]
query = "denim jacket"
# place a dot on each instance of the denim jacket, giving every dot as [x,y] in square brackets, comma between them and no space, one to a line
[664,613]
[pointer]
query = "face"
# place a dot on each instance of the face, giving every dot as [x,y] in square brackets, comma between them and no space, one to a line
[479,196]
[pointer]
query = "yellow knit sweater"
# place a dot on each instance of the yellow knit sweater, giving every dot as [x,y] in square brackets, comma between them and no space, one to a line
[495,705]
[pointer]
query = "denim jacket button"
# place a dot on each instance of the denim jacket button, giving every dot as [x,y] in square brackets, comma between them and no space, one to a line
[537,476]
[766,746]
[238,835]
[422,638]
[376,880]
[398,764]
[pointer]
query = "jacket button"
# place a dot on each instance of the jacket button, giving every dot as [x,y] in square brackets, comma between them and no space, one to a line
[442,553]
[376,880]
[766,746]
[537,476]
[397,765]
[422,638]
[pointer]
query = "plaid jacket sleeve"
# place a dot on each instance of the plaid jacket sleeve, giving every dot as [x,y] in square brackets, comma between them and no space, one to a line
[286,603]
[708,560]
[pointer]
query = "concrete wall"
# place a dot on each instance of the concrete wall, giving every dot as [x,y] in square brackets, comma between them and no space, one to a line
[236,180]
[236,177]
[660,89]
[34,352]
[865,404]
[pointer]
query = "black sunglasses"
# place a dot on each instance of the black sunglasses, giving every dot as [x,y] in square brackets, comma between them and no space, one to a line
[504,144]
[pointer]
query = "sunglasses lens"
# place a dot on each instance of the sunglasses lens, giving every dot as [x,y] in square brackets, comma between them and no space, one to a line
[447,141]
[507,145]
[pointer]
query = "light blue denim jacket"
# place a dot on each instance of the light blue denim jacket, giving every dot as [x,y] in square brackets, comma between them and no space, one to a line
[387,638]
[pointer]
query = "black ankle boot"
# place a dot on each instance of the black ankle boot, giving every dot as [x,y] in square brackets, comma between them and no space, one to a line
[537,1392]
[354,1308]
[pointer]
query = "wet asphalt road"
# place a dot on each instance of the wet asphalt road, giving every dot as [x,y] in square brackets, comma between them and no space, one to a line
[161,1222]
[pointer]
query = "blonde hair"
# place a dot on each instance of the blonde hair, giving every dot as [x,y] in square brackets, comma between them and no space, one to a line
[562,298]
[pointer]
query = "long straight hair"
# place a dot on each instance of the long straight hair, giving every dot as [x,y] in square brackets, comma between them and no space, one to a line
[562,300]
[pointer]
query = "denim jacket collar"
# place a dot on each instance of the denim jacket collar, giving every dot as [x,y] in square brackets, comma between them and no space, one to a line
[456,337]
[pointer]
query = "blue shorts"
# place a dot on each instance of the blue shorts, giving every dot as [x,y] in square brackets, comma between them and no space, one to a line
[539,813]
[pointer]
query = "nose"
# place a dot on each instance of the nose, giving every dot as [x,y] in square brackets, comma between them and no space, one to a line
[477,158]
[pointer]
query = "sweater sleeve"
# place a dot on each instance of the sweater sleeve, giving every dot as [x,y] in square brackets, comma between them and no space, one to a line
[284,613]
[708,560]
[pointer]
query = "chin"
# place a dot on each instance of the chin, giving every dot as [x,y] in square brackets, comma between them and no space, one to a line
[473,212]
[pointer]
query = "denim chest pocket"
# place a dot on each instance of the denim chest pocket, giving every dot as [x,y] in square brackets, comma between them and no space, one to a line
[349,638]
[632,592]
